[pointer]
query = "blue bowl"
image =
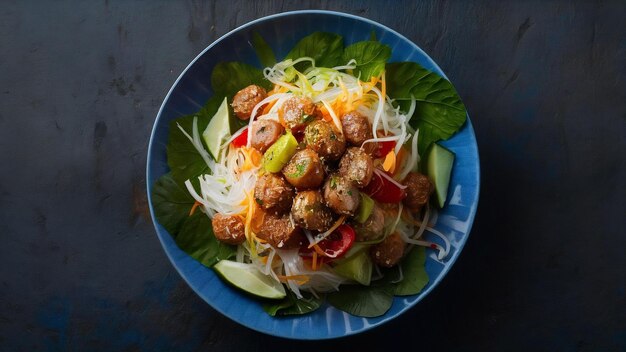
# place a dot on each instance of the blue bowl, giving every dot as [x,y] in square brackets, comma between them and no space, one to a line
[190,92]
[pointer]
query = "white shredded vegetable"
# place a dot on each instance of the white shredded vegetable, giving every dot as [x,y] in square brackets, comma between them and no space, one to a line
[228,187]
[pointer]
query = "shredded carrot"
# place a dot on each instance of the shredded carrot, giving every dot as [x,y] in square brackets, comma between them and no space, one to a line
[389,164]
[252,158]
[319,250]
[383,89]
[338,223]
[325,114]
[281,113]
[247,231]
[277,89]
[314,260]
[269,106]
[401,158]
[257,220]
[299,279]
[193,208]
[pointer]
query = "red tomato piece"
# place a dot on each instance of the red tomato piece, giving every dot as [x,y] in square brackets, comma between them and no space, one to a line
[338,242]
[384,148]
[241,139]
[383,190]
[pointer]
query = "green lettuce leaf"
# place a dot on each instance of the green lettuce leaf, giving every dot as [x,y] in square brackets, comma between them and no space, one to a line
[263,51]
[196,238]
[439,112]
[291,305]
[325,48]
[370,57]
[172,203]
[182,157]
[414,273]
[228,78]
[363,301]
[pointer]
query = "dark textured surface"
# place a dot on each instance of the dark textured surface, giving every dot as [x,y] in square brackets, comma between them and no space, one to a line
[544,268]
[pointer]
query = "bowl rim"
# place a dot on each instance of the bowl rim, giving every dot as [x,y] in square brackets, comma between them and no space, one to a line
[150,176]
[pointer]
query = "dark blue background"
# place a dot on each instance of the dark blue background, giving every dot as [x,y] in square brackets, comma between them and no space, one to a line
[82,269]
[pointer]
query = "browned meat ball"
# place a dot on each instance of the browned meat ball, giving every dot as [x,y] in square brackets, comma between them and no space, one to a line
[373,228]
[341,195]
[322,137]
[246,99]
[356,128]
[389,252]
[265,133]
[357,166]
[298,111]
[279,232]
[273,193]
[304,170]
[228,228]
[308,210]
[418,190]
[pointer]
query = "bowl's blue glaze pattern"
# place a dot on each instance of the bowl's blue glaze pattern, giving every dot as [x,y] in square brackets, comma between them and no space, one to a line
[190,92]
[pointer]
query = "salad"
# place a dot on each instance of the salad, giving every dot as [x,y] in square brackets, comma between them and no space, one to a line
[315,178]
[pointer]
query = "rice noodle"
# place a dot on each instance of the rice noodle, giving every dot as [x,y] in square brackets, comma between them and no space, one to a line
[388,178]
[424,223]
[351,65]
[196,142]
[413,160]
[229,186]
[444,239]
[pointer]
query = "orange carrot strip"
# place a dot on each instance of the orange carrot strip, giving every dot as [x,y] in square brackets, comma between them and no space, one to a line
[299,279]
[383,89]
[193,208]
[269,106]
[319,250]
[390,162]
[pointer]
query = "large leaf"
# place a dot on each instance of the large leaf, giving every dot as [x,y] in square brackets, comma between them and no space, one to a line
[414,273]
[370,57]
[172,203]
[325,48]
[228,78]
[196,238]
[263,51]
[363,301]
[291,305]
[182,157]
[439,111]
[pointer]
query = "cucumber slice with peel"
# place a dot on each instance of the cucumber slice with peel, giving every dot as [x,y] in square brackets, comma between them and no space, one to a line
[218,130]
[248,278]
[439,168]
[357,267]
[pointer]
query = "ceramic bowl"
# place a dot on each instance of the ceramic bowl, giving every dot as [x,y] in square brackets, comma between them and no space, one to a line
[190,92]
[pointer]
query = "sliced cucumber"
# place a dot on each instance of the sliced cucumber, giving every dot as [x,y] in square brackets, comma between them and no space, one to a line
[248,278]
[218,130]
[439,168]
[365,208]
[357,267]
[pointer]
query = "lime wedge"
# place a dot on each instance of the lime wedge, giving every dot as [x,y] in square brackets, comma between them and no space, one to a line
[357,268]
[439,168]
[279,153]
[218,130]
[249,279]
